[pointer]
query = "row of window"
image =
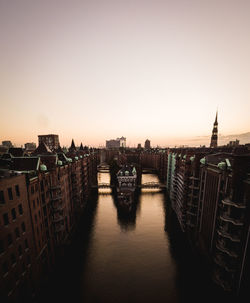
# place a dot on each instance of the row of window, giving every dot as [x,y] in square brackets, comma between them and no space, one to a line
[10,237]
[13,214]
[34,189]
[10,194]
[13,260]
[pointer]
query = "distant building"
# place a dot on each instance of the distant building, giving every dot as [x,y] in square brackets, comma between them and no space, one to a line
[214,137]
[7,144]
[233,143]
[139,146]
[52,141]
[147,144]
[30,146]
[116,143]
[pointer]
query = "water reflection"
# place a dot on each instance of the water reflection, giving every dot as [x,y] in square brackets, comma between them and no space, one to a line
[126,217]
[140,256]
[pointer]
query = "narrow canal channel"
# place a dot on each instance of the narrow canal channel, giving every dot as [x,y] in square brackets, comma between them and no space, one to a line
[136,257]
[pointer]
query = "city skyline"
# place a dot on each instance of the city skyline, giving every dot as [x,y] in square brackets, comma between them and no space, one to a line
[96,70]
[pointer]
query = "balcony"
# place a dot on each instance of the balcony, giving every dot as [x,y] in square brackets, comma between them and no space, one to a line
[59,228]
[228,202]
[191,213]
[58,218]
[228,263]
[58,205]
[227,218]
[228,247]
[222,281]
[55,187]
[56,198]
[228,230]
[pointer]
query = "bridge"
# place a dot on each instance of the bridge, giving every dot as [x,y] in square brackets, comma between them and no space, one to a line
[103,168]
[144,185]
[152,185]
[103,185]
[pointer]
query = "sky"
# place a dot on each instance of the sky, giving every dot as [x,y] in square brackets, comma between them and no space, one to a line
[96,70]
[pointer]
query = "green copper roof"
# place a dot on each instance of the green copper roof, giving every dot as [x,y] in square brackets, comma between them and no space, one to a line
[222,165]
[203,160]
[192,158]
[69,159]
[59,162]
[76,158]
[43,167]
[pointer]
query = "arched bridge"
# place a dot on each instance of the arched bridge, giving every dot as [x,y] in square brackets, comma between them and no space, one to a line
[152,185]
[103,185]
[144,185]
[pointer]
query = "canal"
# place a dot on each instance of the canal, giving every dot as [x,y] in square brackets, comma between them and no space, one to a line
[139,256]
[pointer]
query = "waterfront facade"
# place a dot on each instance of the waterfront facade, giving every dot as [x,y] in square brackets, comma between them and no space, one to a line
[41,199]
[209,191]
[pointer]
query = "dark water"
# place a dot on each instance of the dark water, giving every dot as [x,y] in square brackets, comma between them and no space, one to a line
[137,257]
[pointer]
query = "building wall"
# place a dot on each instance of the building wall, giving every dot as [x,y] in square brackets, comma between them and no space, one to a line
[17,256]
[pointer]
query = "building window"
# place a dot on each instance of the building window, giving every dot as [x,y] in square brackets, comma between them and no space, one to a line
[23,227]
[28,259]
[39,213]
[13,258]
[34,205]
[13,214]
[32,190]
[37,202]
[5,219]
[44,211]
[36,218]
[17,232]
[41,186]
[26,243]
[10,193]
[5,267]
[20,209]
[10,241]
[43,199]
[2,201]
[17,191]
[19,250]
[1,247]
[36,187]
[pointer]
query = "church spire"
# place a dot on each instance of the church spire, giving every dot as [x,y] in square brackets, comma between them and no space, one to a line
[72,147]
[214,137]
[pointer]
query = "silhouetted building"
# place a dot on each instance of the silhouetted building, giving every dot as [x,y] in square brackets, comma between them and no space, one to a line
[52,141]
[214,137]
[30,146]
[7,143]
[234,143]
[147,144]
[117,143]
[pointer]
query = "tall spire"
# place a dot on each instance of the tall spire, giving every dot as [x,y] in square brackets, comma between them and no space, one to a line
[214,137]
[216,122]
[72,147]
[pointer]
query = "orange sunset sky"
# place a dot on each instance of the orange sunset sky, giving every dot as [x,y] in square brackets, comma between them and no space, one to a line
[95,70]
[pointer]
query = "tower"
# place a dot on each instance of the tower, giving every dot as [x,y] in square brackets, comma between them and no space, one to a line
[214,137]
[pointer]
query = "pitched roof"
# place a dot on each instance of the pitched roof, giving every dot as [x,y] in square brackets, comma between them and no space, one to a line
[72,147]
[42,149]
[49,160]
[25,163]
[16,151]
[81,147]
